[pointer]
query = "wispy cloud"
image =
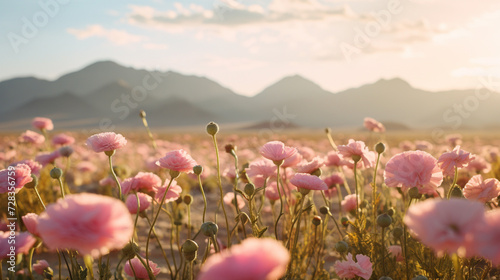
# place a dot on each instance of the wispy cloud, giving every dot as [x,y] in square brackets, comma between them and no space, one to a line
[115,36]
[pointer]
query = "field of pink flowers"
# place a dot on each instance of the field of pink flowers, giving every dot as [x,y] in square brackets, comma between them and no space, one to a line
[213,205]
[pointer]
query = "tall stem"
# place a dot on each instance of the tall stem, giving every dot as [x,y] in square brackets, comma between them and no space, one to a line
[455,179]
[356,188]
[120,195]
[219,181]
[204,198]
[281,200]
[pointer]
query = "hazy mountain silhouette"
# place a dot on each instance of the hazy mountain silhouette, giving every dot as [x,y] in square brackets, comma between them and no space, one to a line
[108,90]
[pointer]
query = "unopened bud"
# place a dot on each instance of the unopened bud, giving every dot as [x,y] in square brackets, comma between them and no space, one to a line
[197,169]
[397,232]
[414,193]
[316,220]
[209,229]
[341,247]
[188,199]
[130,250]
[230,148]
[324,210]
[190,250]
[391,211]
[65,151]
[33,183]
[363,204]
[56,173]
[249,189]
[384,220]
[380,147]
[142,114]
[212,128]
[344,221]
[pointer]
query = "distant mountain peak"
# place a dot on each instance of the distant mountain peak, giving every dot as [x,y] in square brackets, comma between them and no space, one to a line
[394,82]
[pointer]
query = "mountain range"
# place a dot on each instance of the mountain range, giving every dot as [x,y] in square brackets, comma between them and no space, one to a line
[106,93]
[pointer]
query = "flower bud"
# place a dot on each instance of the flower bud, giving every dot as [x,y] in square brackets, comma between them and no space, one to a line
[188,199]
[110,153]
[341,247]
[391,211]
[130,250]
[212,128]
[414,193]
[328,130]
[397,232]
[456,192]
[324,210]
[380,147]
[197,169]
[316,220]
[33,183]
[56,173]
[174,173]
[65,151]
[363,204]
[344,221]
[356,158]
[249,189]
[190,250]
[317,172]
[384,220]
[142,114]
[230,149]
[420,277]
[209,229]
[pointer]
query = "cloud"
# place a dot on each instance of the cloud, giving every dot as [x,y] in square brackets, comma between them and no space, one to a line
[115,36]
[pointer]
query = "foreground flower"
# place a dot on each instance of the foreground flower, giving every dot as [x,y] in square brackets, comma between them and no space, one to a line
[30,220]
[106,142]
[24,242]
[483,191]
[253,259]
[42,123]
[358,148]
[373,125]
[40,266]
[14,178]
[178,160]
[350,269]
[455,159]
[140,271]
[144,201]
[89,223]
[445,225]
[308,181]
[276,151]
[488,236]
[413,169]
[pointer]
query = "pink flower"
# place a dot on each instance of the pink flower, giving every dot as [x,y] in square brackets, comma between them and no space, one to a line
[108,181]
[229,200]
[445,225]
[62,140]
[350,269]
[396,252]
[358,148]
[14,178]
[483,191]
[178,160]
[306,152]
[272,191]
[311,166]
[277,151]
[32,137]
[292,160]
[413,169]
[373,125]
[34,166]
[253,259]
[335,159]
[40,266]
[333,180]
[144,181]
[140,271]
[349,203]
[173,193]
[144,201]
[456,158]
[454,139]
[262,167]
[487,237]
[89,223]
[106,142]
[30,220]
[42,123]
[478,165]
[24,242]
[308,181]
[46,158]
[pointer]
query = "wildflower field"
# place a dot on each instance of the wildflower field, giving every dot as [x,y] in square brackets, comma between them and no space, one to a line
[216,205]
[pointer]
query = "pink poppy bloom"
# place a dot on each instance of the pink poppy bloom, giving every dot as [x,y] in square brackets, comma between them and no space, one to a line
[32,137]
[24,242]
[106,142]
[292,160]
[445,225]
[47,157]
[262,167]
[478,165]
[34,166]
[483,191]
[89,223]
[331,192]
[349,203]
[350,269]
[30,220]
[306,152]
[487,237]
[40,266]
[177,160]
[277,151]
[396,252]
[335,159]
[150,164]
[144,201]
[140,271]
[42,123]
[272,191]
[413,169]
[373,125]
[229,200]
[333,180]
[108,181]
[253,259]
[62,140]
[311,166]
[229,173]
[308,181]
[358,148]
[456,158]
[14,178]
[173,193]
[144,181]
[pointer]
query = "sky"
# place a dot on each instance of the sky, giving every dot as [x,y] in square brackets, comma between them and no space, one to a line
[249,45]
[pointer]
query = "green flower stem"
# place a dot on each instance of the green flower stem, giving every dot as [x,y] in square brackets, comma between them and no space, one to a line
[61,185]
[39,197]
[120,195]
[374,204]
[455,179]
[161,247]
[133,270]
[204,198]
[356,188]
[281,200]
[136,215]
